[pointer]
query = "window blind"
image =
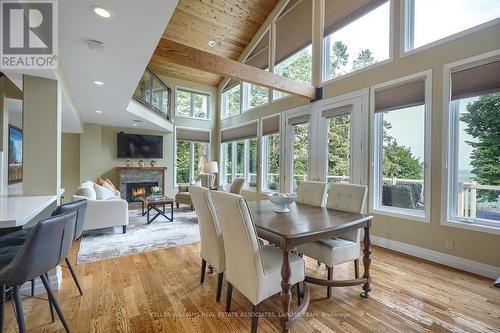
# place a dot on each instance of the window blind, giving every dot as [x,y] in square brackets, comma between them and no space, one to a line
[187,134]
[477,80]
[239,133]
[271,125]
[400,96]
[299,120]
[259,57]
[338,111]
[339,13]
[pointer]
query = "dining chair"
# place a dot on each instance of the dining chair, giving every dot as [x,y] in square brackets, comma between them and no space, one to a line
[346,247]
[311,193]
[48,242]
[212,244]
[253,269]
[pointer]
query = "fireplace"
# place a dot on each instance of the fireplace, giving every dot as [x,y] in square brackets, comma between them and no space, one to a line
[136,190]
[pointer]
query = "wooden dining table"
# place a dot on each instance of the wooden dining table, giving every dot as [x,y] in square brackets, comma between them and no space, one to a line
[303,224]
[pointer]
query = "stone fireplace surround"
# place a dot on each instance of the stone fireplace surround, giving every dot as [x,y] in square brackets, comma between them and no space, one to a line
[140,175]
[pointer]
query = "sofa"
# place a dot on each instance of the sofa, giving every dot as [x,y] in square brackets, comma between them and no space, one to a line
[104,209]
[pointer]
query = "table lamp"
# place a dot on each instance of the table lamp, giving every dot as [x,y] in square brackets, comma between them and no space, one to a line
[211,168]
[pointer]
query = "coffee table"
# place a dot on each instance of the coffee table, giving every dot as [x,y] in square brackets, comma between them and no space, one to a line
[152,203]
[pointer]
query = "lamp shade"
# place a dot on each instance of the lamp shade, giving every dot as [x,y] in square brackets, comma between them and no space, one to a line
[211,167]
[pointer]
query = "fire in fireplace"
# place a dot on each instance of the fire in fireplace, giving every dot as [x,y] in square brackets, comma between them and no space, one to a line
[136,190]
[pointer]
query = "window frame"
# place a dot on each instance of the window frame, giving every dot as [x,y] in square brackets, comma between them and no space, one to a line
[224,114]
[264,155]
[193,92]
[408,24]
[234,159]
[449,169]
[274,92]
[191,155]
[376,157]
[245,97]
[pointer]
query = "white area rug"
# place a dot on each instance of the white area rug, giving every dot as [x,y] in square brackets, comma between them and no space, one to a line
[140,237]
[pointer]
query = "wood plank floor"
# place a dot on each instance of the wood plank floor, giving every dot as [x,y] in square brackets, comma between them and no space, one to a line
[141,292]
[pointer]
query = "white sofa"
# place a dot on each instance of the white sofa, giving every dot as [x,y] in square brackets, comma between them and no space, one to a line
[107,213]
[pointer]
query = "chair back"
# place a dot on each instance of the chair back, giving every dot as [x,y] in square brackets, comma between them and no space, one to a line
[312,193]
[349,198]
[237,185]
[244,268]
[212,244]
[78,206]
[47,244]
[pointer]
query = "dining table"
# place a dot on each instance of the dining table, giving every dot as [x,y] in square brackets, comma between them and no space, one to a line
[302,224]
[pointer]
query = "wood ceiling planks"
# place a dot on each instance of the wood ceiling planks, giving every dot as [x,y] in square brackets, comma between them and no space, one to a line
[232,23]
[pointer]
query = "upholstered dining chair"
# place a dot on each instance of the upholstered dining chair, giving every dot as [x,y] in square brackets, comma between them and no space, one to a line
[254,269]
[346,247]
[237,185]
[311,193]
[212,245]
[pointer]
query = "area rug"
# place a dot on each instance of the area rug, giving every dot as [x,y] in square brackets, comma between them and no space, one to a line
[140,237]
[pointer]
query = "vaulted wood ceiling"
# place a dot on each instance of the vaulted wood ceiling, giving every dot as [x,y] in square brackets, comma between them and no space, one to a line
[232,23]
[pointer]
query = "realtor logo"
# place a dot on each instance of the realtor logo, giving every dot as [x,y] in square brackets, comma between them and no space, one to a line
[29,34]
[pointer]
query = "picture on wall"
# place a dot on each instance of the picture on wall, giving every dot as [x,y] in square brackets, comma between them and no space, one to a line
[15,154]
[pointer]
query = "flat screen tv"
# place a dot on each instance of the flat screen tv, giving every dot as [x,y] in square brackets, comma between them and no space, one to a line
[139,146]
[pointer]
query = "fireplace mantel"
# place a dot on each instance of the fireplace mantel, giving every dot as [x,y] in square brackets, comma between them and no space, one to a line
[140,174]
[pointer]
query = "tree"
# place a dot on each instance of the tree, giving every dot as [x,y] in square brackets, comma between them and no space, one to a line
[339,145]
[300,68]
[483,124]
[364,59]
[258,95]
[183,163]
[338,57]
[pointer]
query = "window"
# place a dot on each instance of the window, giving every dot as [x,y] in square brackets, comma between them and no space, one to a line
[401,149]
[359,43]
[254,96]
[231,101]
[228,163]
[339,148]
[300,154]
[428,21]
[191,156]
[240,161]
[297,67]
[192,104]
[474,156]
[271,148]
[153,92]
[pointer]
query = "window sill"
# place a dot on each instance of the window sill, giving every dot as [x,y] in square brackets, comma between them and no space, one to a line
[401,214]
[361,70]
[471,226]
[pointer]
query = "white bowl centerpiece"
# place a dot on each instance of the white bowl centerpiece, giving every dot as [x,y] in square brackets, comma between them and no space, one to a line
[281,200]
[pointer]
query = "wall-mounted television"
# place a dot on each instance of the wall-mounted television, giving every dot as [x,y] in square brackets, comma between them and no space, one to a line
[139,146]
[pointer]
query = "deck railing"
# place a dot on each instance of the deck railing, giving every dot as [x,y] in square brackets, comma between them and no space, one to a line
[152,92]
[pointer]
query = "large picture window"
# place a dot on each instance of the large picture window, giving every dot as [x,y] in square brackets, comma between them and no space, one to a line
[231,101]
[192,104]
[474,156]
[192,151]
[240,161]
[401,142]
[271,153]
[349,45]
[428,21]
[297,67]
[254,96]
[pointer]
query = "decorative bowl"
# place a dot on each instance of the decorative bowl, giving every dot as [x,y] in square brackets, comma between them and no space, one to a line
[281,202]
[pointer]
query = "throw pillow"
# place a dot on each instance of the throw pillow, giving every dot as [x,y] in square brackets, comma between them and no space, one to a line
[111,183]
[86,191]
[109,187]
[103,193]
[100,181]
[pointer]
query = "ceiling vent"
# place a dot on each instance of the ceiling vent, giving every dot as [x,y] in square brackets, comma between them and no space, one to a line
[96,45]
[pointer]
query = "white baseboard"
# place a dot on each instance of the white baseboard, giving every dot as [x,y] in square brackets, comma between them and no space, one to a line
[438,257]
[55,277]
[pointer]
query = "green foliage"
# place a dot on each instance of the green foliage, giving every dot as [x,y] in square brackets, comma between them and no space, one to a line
[232,106]
[339,145]
[364,59]
[183,163]
[258,96]
[299,69]
[301,149]
[483,124]
[338,57]
[183,103]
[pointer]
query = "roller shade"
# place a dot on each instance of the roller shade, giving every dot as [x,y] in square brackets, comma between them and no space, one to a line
[474,81]
[293,30]
[339,13]
[400,96]
[271,125]
[335,112]
[259,57]
[299,120]
[186,134]
[239,133]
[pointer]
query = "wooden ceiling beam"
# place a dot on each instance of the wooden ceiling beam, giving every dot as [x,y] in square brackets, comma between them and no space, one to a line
[188,56]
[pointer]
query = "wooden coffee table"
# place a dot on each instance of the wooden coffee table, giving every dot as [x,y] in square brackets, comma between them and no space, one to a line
[152,203]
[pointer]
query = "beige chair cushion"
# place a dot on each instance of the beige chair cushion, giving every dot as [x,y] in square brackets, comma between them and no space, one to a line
[253,270]
[332,251]
[183,198]
[237,185]
[312,193]
[212,245]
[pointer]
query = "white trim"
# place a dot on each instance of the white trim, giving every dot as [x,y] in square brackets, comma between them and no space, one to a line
[438,257]
[210,105]
[356,72]
[374,151]
[448,134]
[403,52]
[55,277]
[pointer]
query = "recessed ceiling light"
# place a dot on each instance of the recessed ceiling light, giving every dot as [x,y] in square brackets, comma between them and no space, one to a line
[212,43]
[98,111]
[98,83]
[101,12]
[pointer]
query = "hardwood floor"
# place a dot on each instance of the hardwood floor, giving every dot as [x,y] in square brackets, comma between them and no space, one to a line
[139,293]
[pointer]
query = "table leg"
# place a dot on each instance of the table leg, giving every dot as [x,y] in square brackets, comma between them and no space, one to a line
[172,211]
[148,209]
[286,286]
[142,202]
[366,263]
